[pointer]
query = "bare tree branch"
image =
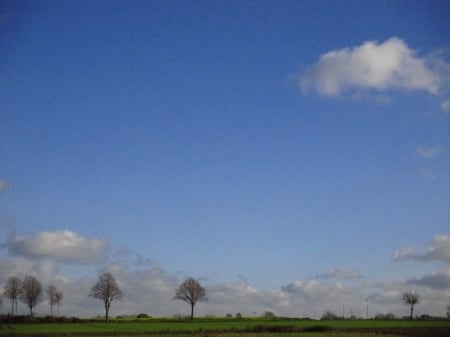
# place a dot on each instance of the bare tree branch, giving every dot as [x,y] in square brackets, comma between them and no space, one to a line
[31,293]
[190,291]
[107,290]
[410,298]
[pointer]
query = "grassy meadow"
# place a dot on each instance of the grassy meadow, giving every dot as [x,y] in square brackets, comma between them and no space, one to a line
[232,328]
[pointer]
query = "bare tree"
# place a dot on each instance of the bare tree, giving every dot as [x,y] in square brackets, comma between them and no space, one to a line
[31,293]
[107,290]
[59,295]
[54,296]
[410,298]
[12,288]
[190,291]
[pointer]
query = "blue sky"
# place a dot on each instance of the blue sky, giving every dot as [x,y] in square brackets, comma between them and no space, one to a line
[282,152]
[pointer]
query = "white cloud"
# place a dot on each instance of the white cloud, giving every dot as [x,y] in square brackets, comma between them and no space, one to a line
[429,152]
[439,250]
[390,65]
[64,246]
[338,273]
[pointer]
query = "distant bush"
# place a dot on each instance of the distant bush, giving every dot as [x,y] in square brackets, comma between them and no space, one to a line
[329,316]
[143,315]
[238,315]
[268,314]
[389,316]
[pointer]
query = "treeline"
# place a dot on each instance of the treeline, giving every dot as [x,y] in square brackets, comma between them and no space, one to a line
[31,292]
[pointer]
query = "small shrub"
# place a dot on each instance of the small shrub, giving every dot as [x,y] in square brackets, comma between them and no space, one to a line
[143,315]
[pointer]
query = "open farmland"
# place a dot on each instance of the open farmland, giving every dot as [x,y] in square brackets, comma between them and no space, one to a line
[231,328]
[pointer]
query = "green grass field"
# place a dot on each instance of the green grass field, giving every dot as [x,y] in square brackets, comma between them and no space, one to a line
[223,328]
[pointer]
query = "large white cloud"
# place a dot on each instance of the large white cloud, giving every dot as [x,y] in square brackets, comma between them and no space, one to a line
[372,66]
[63,245]
[439,250]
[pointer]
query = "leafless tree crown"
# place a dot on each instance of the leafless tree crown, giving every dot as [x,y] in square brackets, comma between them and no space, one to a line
[190,291]
[31,293]
[54,296]
[107,290]
[410,298]
[12,288]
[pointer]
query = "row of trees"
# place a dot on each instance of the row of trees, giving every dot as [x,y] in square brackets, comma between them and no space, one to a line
[107,290]
[30,292]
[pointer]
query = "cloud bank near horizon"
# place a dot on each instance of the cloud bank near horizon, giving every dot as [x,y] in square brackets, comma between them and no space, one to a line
[150,288]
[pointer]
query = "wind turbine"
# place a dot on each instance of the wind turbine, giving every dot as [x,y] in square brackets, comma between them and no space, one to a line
[367,307]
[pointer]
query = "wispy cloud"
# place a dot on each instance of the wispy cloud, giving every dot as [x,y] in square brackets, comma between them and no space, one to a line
[64,246]
[439,250]
[337,273]
[436,280]
[429,152]
[445,105]
[3,184]
[403,253]
[374,66]
[428,174]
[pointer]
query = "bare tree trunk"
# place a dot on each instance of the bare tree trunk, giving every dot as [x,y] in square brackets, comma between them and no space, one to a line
[192,312]
[106,312]
[412,309]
